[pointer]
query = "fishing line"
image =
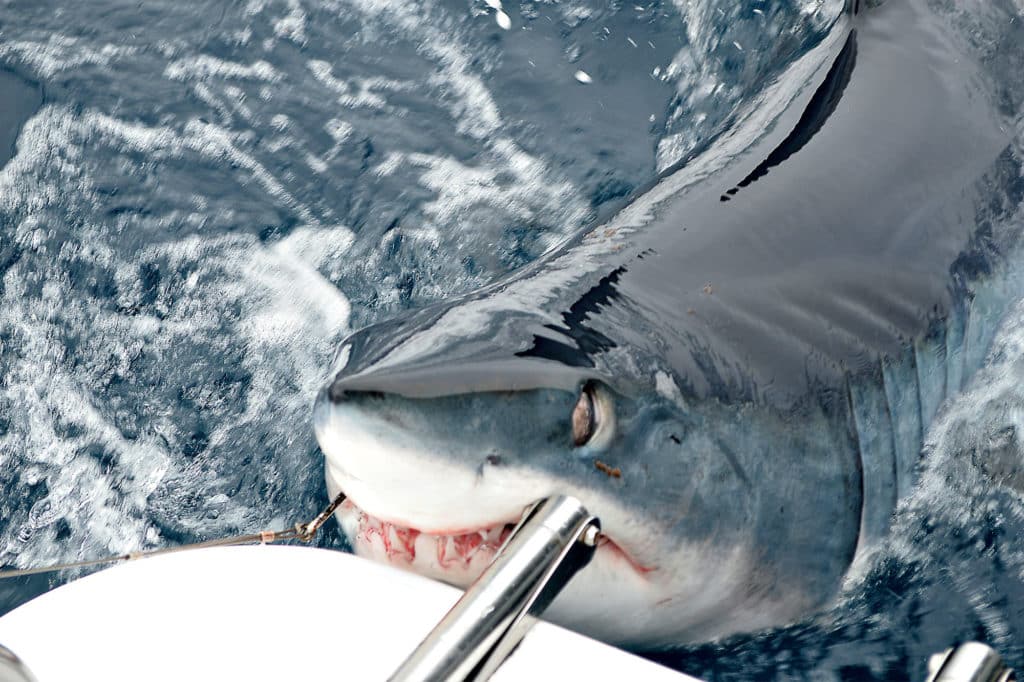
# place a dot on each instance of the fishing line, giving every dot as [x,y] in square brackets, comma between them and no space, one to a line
[304,532]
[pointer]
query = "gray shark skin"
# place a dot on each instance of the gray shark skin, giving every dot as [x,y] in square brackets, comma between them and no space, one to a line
[765,334]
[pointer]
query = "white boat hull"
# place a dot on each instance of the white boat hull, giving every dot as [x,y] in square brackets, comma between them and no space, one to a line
[268,613]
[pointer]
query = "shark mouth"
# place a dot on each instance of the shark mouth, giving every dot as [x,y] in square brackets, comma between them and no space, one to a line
[431,553]
[458,557]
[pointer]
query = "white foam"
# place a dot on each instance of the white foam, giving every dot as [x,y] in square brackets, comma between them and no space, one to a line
[211,141]
[43,390]
[292,26]
[356,92]
[269,305]
[460,187]
[202,67]
[216,142]
[267,302]
[339,130]
[45,139]
[62,53]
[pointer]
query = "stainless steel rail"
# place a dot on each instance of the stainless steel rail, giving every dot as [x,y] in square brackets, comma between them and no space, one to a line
[969,662]
[12,669]
[554,540]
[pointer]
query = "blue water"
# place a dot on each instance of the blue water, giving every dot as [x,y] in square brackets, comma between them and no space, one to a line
[204,197]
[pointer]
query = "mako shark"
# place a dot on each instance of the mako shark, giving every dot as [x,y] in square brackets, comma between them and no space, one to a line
[735,372]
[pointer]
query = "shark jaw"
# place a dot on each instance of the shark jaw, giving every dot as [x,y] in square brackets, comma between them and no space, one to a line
[593,602]
[456,556]
[401,504]
[416,508]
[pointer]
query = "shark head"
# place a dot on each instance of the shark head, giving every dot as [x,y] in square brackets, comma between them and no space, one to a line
[443,426]
[732,373]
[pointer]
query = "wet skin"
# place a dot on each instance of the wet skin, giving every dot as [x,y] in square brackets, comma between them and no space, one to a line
[766,333]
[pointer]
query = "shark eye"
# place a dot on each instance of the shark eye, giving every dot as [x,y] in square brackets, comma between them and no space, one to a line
[593,417]
[584,417]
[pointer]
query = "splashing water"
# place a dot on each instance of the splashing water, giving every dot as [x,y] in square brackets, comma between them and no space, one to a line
[210,196]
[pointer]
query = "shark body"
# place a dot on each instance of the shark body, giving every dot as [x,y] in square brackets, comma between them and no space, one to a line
[735,372]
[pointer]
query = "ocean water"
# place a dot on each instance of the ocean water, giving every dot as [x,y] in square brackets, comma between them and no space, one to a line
[198,200]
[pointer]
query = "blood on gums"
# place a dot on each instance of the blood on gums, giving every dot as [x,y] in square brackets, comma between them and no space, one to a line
[407,536]
[403,544]
[464,544]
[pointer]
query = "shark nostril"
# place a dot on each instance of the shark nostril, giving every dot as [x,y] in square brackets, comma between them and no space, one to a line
[337,393]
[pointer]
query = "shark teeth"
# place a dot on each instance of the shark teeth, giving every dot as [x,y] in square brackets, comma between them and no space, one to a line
[382,540]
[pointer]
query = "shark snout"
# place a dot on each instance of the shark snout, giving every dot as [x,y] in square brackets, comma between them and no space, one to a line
[379,450]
